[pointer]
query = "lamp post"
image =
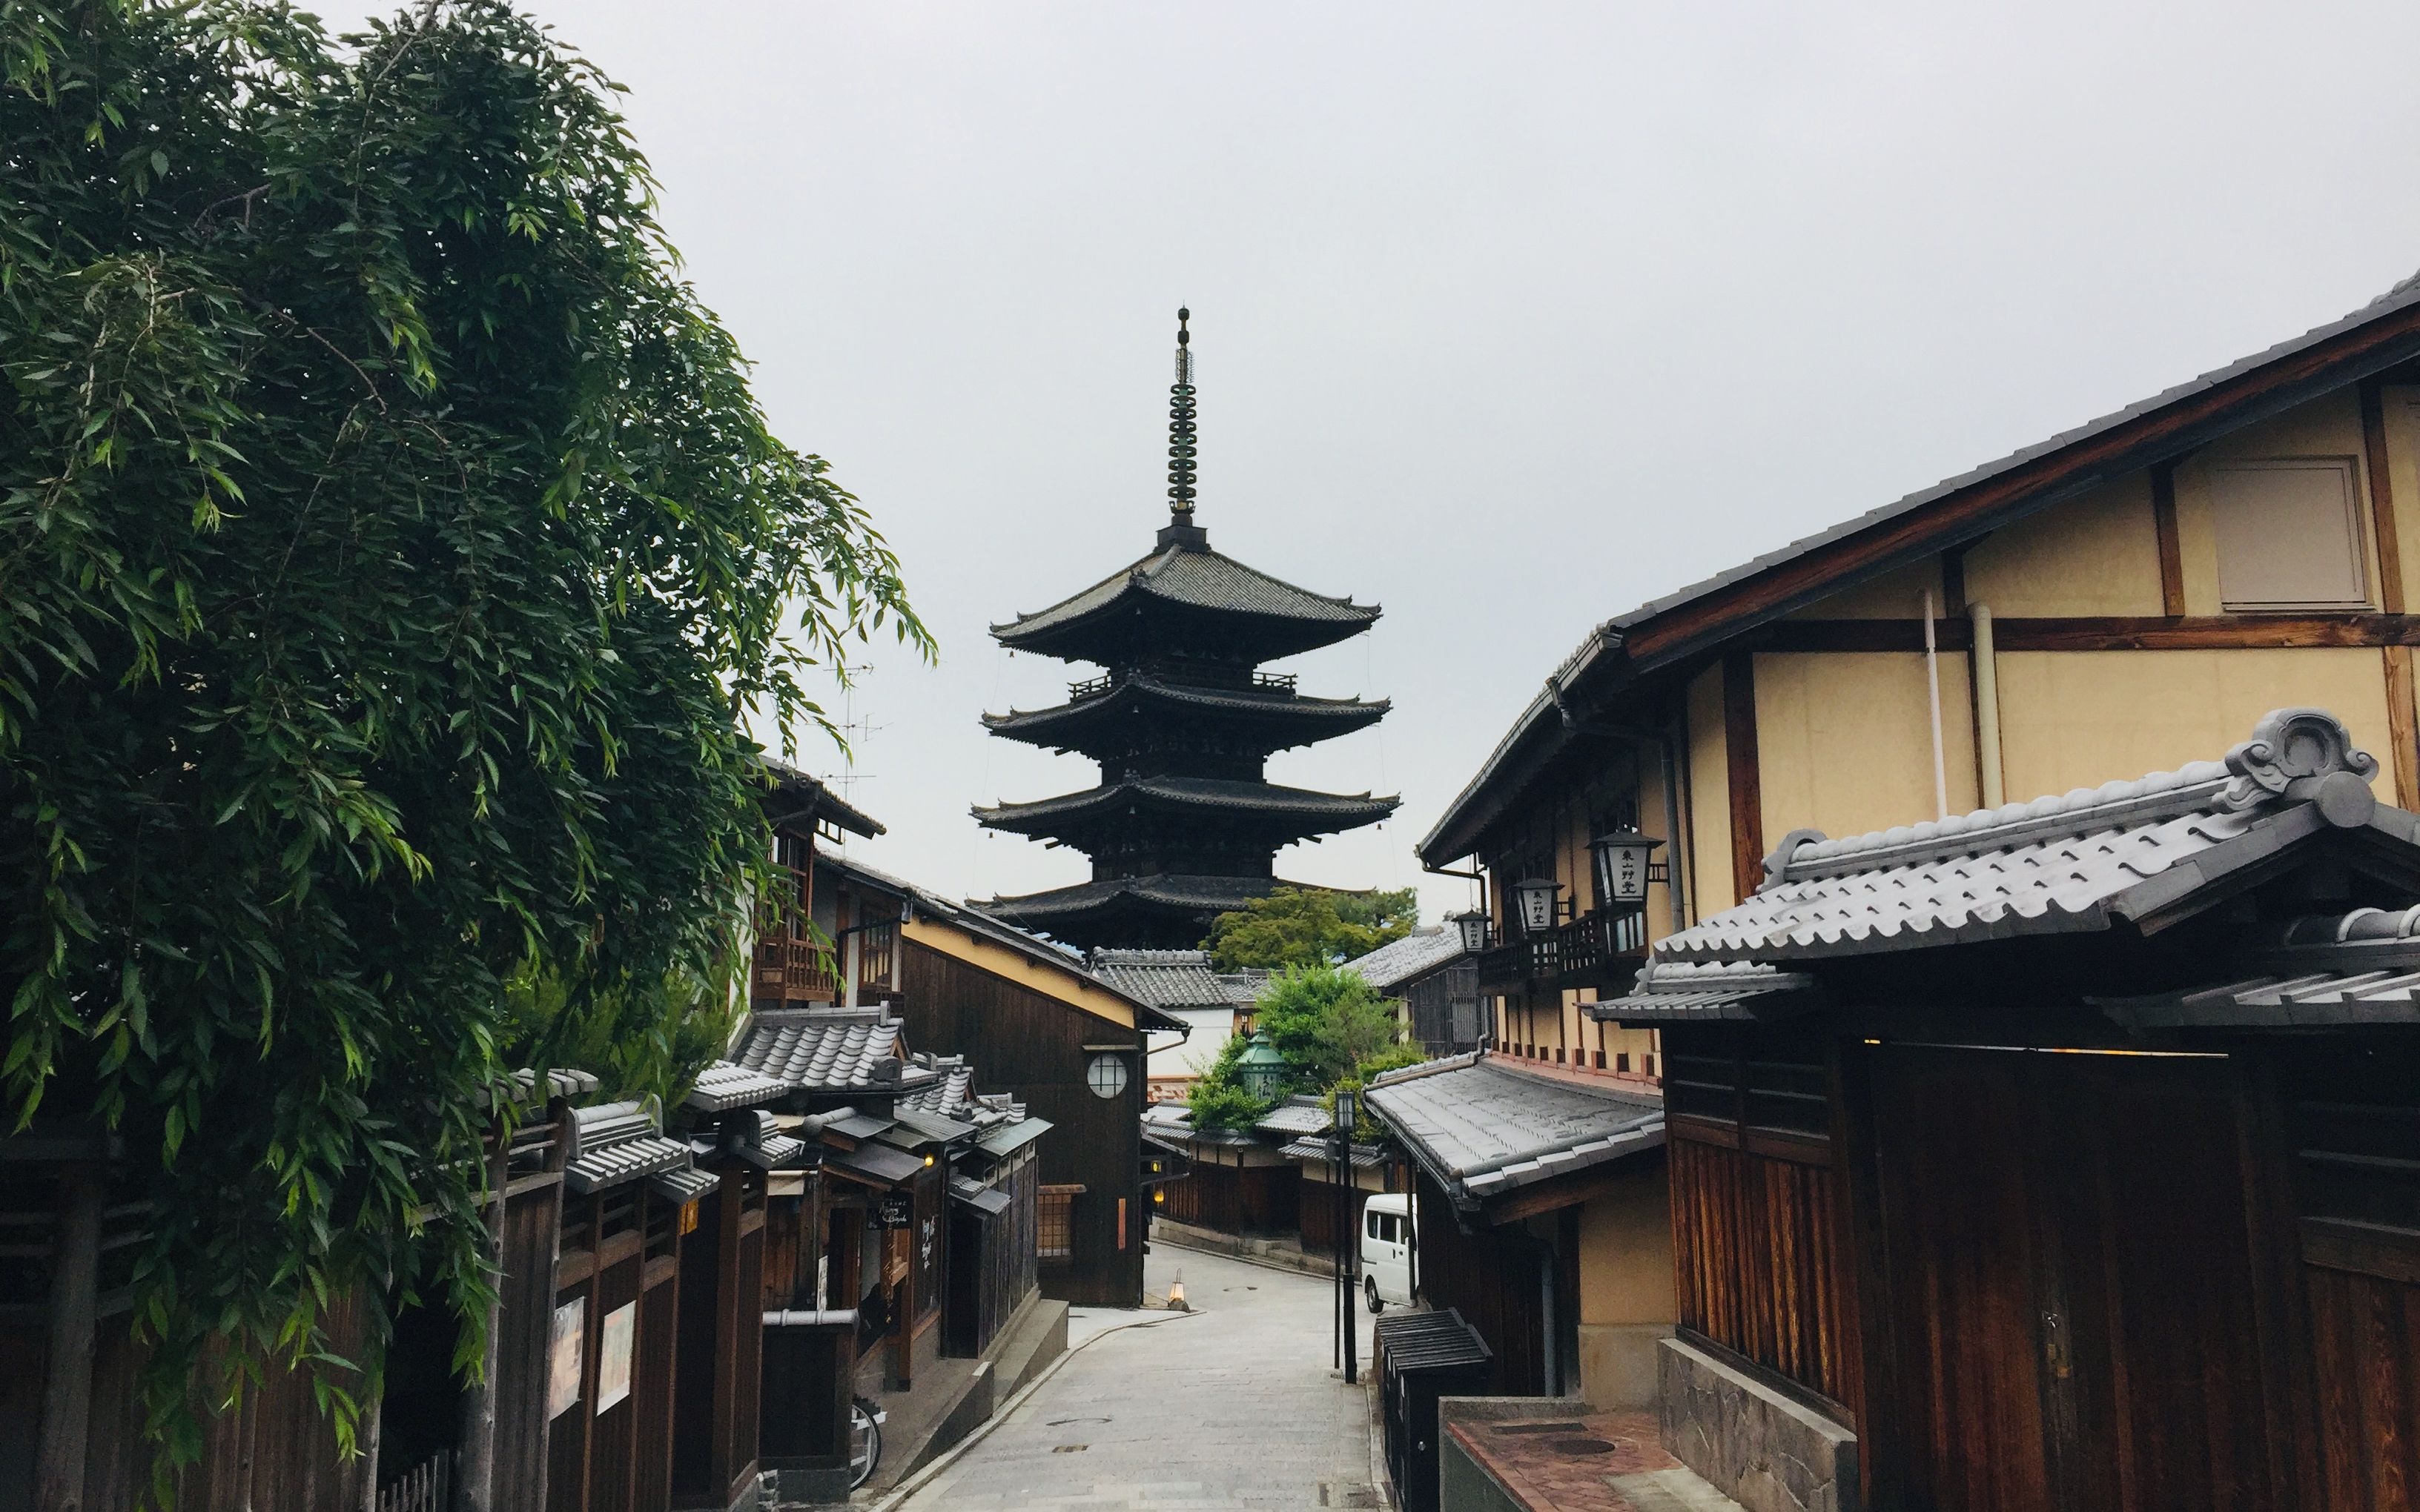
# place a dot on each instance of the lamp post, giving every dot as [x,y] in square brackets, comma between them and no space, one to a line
[1624,858]
[1340,1150]
[1261,1067]
[1473,925]
[1535,896]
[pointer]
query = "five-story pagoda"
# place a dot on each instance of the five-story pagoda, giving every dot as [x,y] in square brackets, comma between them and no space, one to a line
[1183,826]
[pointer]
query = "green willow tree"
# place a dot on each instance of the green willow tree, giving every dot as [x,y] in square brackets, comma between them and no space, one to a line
[393,555]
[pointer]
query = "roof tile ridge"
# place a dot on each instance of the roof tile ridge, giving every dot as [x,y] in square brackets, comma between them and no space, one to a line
[1340,600]
[2193,788]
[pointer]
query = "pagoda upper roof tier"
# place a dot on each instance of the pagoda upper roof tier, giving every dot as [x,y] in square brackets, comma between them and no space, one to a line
[1169,907]
[1295,814]
[1175,594]
[1273,718]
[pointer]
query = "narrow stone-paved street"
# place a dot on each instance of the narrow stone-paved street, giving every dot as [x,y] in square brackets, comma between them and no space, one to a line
[1232,1406]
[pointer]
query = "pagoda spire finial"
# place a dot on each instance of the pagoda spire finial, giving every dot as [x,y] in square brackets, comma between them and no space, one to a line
[1180,428]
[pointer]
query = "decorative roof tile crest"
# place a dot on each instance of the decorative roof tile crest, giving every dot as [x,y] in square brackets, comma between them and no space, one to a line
[2291,747]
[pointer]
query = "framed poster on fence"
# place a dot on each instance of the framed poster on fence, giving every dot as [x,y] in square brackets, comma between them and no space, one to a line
[562,1357]
[614,1340]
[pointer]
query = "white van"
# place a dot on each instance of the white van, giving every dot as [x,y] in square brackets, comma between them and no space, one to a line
[1386,1241]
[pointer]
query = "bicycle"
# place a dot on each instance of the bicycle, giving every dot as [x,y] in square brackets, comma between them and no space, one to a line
[865,1421]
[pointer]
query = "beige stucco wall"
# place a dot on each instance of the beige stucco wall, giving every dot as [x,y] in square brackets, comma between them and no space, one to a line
[2099,554]
[2328,426]
[2071,720]
[1845,741]
[2399,407]
[1626,1300]
[1710,798]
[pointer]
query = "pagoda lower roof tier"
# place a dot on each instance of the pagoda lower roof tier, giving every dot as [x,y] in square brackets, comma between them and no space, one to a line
[1164,912]
[1187,594]
[1278,814]
[1105,717]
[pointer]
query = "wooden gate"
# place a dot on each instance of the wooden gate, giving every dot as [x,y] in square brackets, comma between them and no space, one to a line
[2069,1278]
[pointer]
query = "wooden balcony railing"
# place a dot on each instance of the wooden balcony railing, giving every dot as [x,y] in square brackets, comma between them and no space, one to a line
[1588,951]
[788,968]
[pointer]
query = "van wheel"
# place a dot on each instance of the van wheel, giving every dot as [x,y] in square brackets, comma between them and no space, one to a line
[1370,1290]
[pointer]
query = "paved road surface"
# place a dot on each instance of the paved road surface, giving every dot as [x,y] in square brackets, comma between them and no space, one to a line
[1232,1407]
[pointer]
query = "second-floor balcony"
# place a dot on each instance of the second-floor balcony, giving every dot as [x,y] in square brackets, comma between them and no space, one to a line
[1603,948]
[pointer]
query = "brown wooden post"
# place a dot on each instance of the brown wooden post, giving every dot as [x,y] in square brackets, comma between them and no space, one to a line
[2163,527]
[1739,760]
[67,1396]
[474,1485]
[732,1313]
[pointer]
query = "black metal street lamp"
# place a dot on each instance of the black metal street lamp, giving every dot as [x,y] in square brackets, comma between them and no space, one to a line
[1624,858]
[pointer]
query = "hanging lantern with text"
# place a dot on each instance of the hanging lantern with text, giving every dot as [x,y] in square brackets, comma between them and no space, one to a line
[1536,898]
[1624,858]
[1473,925]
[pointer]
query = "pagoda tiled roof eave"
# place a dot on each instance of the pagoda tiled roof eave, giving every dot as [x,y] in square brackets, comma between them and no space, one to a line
[1341,810]
[1201,581]
[1171,892]
[1289,712]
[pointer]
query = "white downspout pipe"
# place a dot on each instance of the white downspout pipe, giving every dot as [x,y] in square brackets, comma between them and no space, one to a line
[1933,690]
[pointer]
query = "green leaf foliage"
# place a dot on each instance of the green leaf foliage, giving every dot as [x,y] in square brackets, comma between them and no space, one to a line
[1332,1028]
[393,553]
[1310,927]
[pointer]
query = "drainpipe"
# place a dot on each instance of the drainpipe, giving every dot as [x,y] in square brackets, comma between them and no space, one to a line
[1987,709]
[1932,693]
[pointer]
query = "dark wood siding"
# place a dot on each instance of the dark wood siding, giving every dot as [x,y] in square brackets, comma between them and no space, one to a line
[1496,1278]
[2354,1124]
[1031,1046]
[1318,1208]
[1760,1263]
[2072,1280]
[1253,1199]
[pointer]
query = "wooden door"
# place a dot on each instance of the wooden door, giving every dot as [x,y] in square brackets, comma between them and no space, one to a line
[2074,1309]
[1952,1146]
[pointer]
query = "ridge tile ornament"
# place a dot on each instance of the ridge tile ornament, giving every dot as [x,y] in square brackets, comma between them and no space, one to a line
[1182,825]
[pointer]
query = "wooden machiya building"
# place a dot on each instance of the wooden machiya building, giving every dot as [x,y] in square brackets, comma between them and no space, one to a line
[1069,1046]
[2122,597]
[2061,1156]
[1182,825]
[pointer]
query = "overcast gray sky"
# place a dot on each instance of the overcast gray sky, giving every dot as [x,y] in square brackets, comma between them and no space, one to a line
[1509,317]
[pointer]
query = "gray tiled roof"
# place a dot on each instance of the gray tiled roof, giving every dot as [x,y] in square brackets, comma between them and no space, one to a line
[1482,1128]
[824,1048]
[682,1183]
[1364,1156]
[1196,578]
[613,1143]
[1164,978]
[723,1085]
[2340,970]
[1181,890]
[1416,954]
[910,1128]
[1195,793]
[1295,1115]
[1295,708]
[1670,991]
[2083,861]
[952,1095]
